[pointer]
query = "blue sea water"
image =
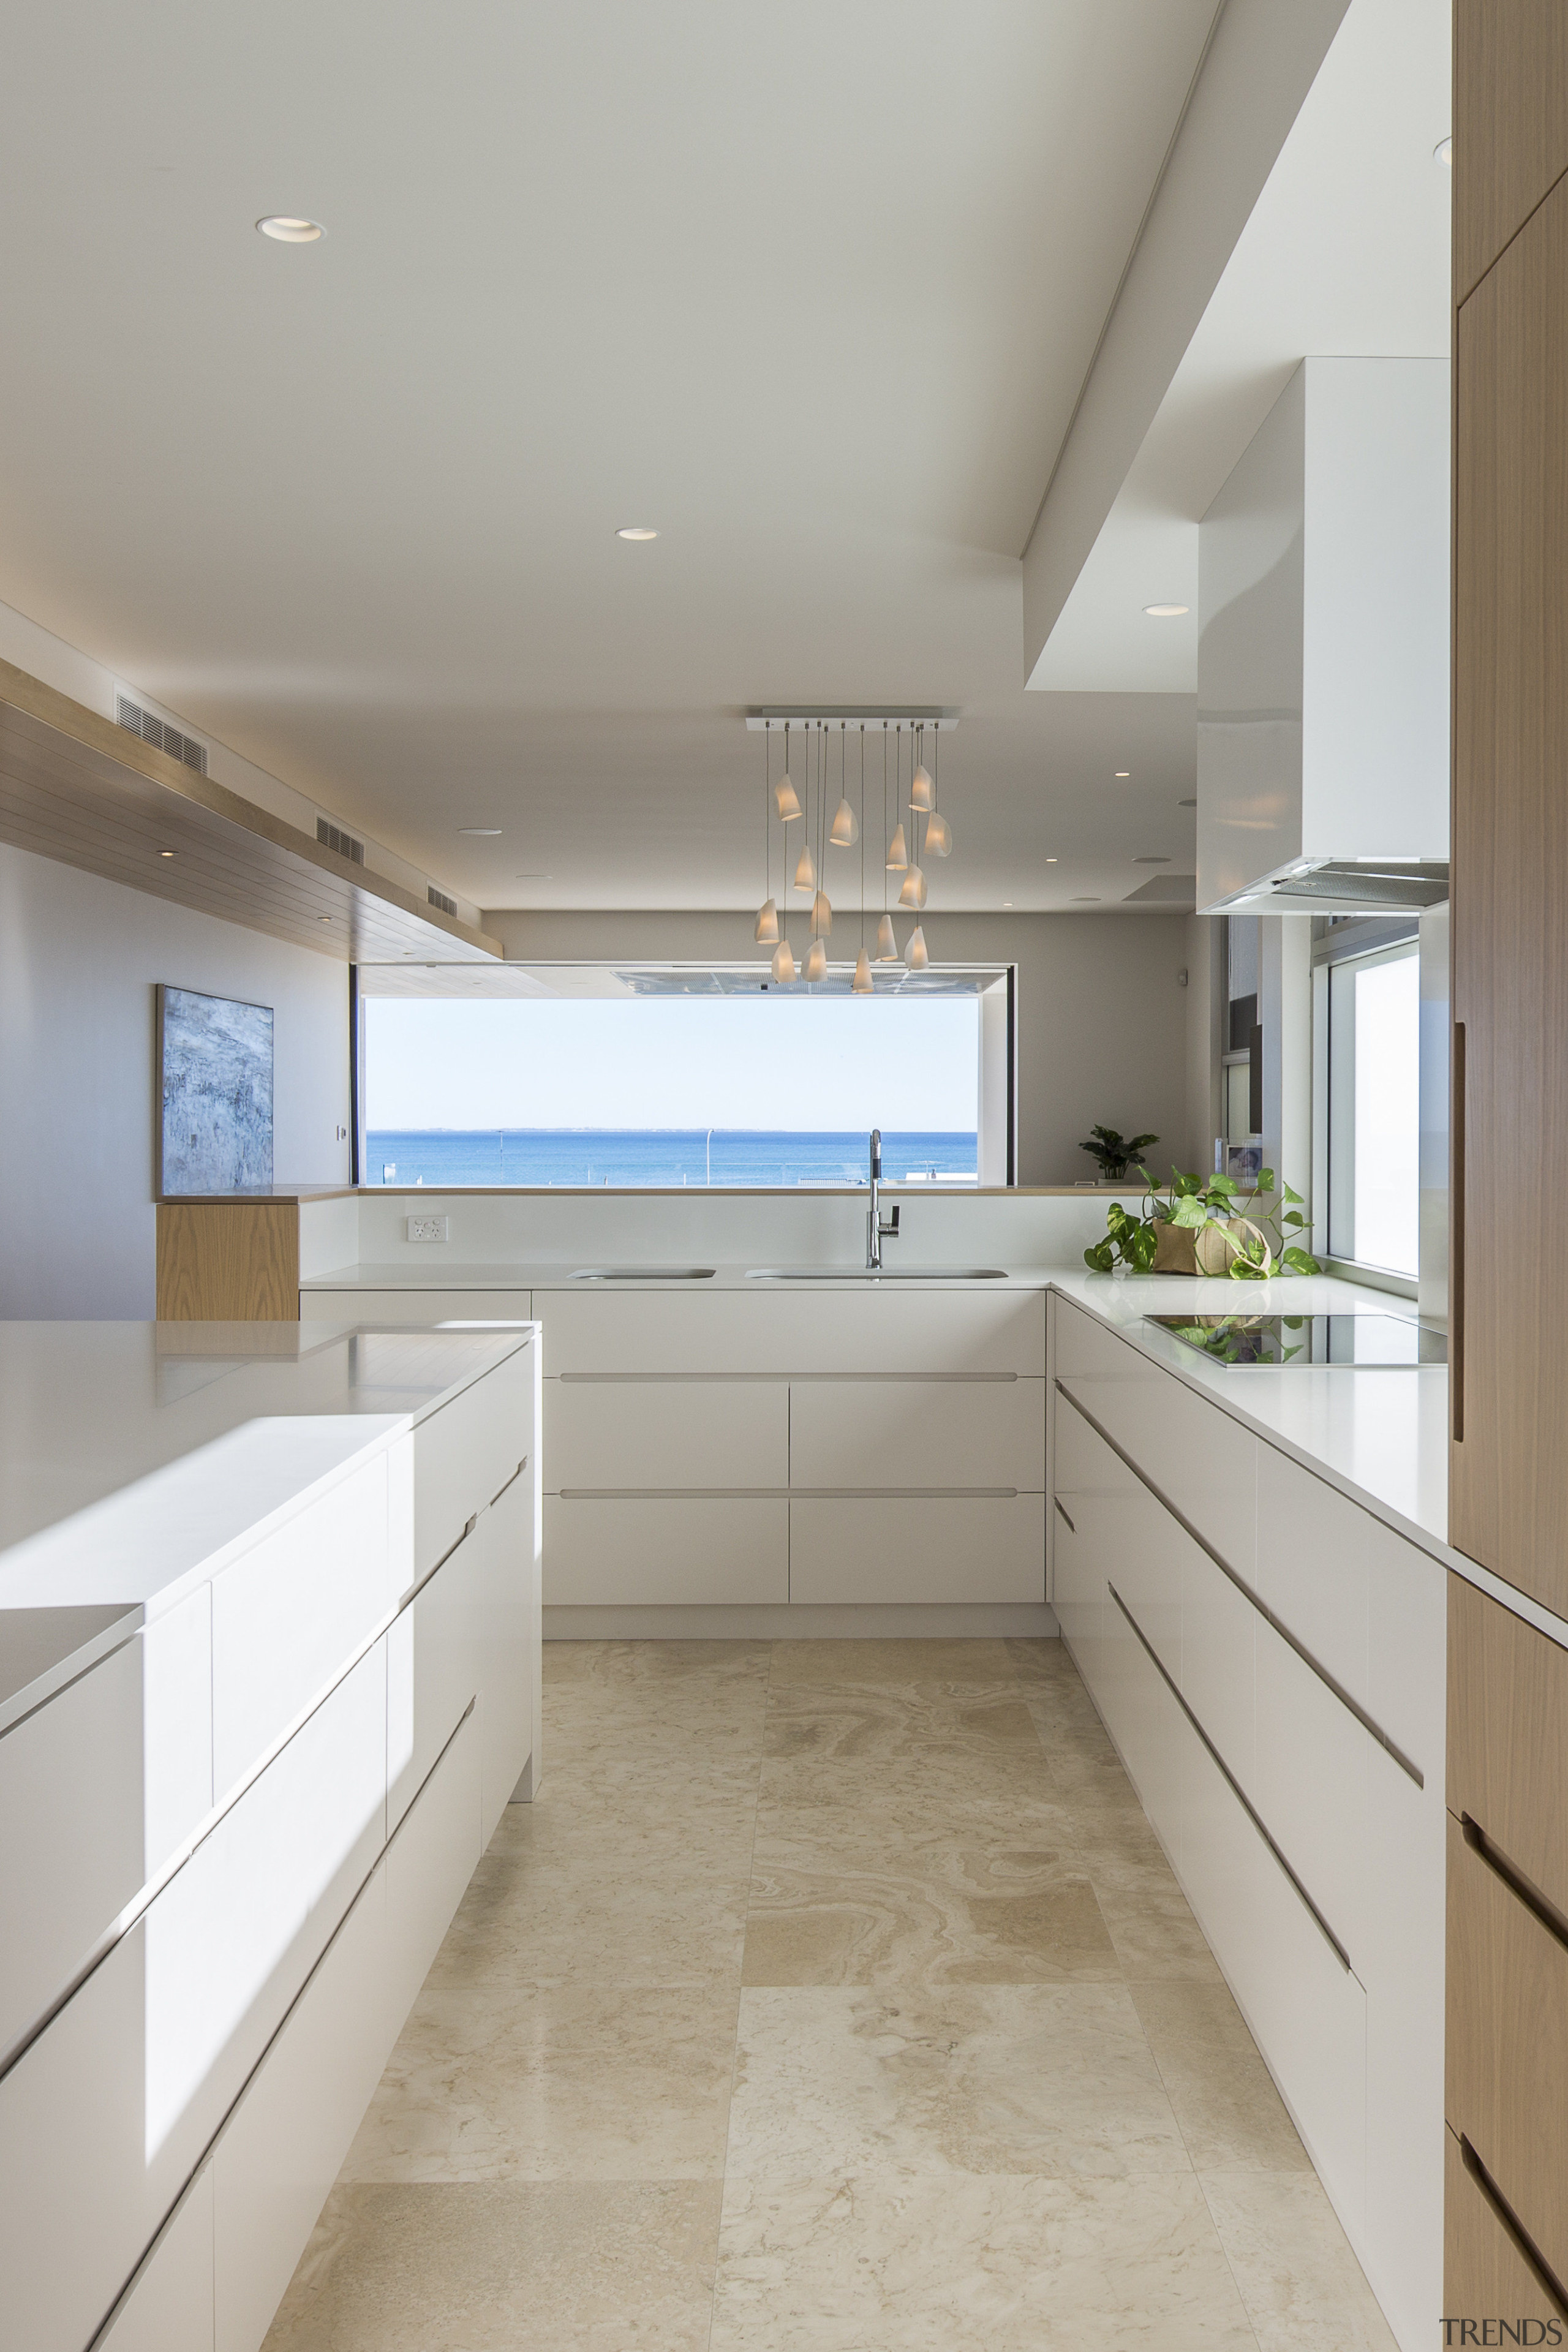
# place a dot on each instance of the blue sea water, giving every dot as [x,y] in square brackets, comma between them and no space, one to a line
[631,1156]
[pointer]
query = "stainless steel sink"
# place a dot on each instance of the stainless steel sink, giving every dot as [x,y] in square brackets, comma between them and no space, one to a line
[642,1274]
[876,1274]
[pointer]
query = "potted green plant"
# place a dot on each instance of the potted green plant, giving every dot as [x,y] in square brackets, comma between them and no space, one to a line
[1115,1154]
[1206,1225]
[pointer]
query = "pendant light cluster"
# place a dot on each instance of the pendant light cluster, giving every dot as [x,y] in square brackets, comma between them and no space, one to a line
[807,765]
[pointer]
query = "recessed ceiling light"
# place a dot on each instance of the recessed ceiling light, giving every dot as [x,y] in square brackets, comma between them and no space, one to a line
[635,531]
[323,918]
[1085,902]
[1122,774]
[1050,861]
[165,852]
[479,832]
[1166,612]
[1007,902]
[1186,803]
[1151,861]
[533,878]
[287,230]
[1443,153]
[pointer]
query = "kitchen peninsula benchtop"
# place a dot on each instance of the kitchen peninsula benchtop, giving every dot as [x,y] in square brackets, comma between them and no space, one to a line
[136,1456]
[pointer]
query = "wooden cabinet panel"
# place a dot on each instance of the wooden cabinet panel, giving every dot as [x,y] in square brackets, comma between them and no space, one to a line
[1508,1736]
[1510,130]
[917,1548]
[1506,2069]
[1509,1467]
[1485,2276]
[229,1261]
[868,1433]
[654,1550]
[720,1433]
[842,1327]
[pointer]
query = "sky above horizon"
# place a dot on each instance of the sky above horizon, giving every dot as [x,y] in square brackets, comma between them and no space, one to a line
[774,1062]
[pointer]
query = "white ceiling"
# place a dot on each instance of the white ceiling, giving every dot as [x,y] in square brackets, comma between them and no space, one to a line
[1347,251]
[813,289]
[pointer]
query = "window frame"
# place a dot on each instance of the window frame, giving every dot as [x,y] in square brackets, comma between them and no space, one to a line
[1337,943]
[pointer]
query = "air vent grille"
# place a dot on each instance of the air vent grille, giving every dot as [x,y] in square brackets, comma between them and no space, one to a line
[332,836]
[160,734]
[439,899]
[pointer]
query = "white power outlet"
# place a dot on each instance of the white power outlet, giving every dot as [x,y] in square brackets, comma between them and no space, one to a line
[427,1229]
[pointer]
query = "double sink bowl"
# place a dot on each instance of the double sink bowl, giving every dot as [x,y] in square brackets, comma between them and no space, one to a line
[793,1273]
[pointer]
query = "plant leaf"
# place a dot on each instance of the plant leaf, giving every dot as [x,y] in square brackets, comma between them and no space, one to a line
[1300,1261]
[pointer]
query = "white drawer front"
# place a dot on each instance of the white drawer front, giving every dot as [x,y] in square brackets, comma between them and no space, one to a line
[1314,1565]
[1077,1592]
[287,1616]
[1084,1464]
[917,1548]
[779,1329]
[650,1433]
[170,2308]
[1150,1733]
[676,1548]
[1313,1762]
[1219,1628]
[464,1454]
[157,2043]
[413,1306]
[852,1433]
[1200,1460]
[1086,1349]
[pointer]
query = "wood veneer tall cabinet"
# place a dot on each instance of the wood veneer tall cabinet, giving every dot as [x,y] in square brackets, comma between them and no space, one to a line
[1506,2245]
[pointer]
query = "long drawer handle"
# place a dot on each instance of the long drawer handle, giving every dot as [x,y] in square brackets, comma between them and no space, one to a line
[1542,1908]
[1508,2220]
[1248,1807]
[1353,1706]
[1062,1508]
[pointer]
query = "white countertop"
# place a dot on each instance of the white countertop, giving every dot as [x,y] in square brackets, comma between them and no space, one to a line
[135,1458]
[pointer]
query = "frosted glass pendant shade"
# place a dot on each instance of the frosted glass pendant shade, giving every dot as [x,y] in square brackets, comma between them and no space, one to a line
[821,916]
[816,962]
[767,928]
[898,855]
[861,983]
[784,798]
[783,964]
[886,945]
[913,893]
[939,838]
[844,831]
[806,872]
[921,793]
[915,954]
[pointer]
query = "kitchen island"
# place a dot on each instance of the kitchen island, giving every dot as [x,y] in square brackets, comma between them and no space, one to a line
[268,1676]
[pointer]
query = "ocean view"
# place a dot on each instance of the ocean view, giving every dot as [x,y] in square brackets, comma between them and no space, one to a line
[659,1156]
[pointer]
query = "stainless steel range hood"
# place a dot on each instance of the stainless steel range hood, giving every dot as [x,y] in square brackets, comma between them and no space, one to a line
[1323,650]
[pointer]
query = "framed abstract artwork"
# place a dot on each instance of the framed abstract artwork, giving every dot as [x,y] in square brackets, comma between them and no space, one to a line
[215,1094]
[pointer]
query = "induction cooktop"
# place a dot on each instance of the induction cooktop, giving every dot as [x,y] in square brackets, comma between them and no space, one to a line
[1358,1343]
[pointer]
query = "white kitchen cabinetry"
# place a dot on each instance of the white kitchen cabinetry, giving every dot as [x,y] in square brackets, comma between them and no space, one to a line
[769,1446]
[169,2128]
[414,1305]
[1269,1659]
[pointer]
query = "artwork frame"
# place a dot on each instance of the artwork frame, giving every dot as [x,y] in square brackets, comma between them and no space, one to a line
[1244,1164]
[212,1119]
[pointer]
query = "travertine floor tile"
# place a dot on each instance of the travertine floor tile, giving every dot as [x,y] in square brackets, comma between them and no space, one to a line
[561,1921]
[1047,1663]
[890,2262]
[934,1665]
[517,2083]
[1151,1921]
[557,2267]
[853,1726]
[873,1896]
[1015,2078]
[655,1666]
[1303,2288]
[1230,2114]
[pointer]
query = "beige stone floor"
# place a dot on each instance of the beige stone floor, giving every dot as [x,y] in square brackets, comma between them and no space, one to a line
[832,1996]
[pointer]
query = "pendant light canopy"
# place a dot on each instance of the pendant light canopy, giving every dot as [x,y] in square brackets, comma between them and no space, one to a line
[816,962]
[915,954]
[767,930]
[887,944]
[898,855]
[938,837]
[821,916]
[913,893]
[862,983]
[783,964]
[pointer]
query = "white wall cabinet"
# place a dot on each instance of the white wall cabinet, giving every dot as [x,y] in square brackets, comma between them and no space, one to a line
[1306,1643]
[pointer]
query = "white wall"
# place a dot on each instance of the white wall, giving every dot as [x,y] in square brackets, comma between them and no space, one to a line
[80,962]
[1101,1012]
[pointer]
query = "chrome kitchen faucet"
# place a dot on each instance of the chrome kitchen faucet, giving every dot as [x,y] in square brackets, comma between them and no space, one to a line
[877,1229]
